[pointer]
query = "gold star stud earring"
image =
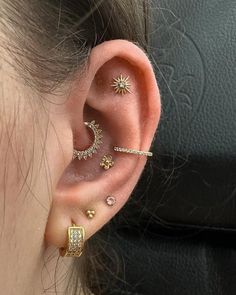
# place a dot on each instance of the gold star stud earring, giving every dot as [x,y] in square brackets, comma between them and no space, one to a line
[121,85]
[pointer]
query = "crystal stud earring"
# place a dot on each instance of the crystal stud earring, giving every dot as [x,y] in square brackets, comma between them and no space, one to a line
[110,200]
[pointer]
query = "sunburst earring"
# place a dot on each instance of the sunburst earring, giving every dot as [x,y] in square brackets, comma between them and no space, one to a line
[96,143]
[121,85]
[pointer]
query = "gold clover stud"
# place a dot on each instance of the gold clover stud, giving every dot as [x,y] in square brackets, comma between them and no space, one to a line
[90,213]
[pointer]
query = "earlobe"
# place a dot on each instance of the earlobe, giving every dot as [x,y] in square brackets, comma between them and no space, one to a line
[120,104]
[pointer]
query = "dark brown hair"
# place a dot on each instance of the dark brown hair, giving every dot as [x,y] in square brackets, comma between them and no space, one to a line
[53,38]
[50,40]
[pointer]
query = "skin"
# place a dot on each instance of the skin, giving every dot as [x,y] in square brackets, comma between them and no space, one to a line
[42,188]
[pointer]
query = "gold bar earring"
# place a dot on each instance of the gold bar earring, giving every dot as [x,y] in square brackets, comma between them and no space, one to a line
[132,151]
[121,85]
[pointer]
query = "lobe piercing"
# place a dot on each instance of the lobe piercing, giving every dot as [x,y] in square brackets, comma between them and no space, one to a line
[75,241]
[107,162]
[121,85]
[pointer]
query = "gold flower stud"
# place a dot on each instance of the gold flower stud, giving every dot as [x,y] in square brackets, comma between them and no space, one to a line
[107,162]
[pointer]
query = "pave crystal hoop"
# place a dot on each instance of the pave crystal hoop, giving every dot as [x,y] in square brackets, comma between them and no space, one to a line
[75,242]
[132,151]
[96,143]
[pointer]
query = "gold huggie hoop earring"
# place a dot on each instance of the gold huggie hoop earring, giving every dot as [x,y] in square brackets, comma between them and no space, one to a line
[121,85]
[132,151]
[96,143]
[75,242]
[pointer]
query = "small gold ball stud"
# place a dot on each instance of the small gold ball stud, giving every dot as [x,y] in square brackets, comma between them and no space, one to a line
[90,213]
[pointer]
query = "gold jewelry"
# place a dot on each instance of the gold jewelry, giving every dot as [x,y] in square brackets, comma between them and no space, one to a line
[90,213]
[75,242]
[96,143]
[107,162]
[132,151]
[110,200]
[121,85]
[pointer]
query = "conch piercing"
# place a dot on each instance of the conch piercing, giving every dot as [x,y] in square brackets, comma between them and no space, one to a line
[75,242]
[90,213]
[107,162]
[121,85]
[96,143]
[132,151]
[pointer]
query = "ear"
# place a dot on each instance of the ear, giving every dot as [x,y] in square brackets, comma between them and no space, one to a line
[129,120]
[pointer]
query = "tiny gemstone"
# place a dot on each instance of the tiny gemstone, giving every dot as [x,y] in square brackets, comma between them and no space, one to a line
[110,200]
[122,85]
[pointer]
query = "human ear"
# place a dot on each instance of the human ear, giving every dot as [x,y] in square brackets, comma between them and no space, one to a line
[129,120]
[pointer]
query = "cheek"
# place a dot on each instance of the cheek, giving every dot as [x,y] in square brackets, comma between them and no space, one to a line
[15,140]
[24,185]
[21,155]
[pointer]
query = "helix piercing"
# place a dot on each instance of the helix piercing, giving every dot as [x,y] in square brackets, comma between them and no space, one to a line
[121,85]
[75,241]
[96,143]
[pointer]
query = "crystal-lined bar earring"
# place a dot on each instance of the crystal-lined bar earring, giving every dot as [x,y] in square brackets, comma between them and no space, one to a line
[132,151]
[111,200]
